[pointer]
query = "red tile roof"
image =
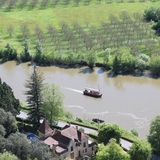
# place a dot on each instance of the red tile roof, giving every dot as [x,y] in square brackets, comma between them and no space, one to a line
[45,128]
[73,133]
[60,149]
[50,141]
[67,134]
[62,139]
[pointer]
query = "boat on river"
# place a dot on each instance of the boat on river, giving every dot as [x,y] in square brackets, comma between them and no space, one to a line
[92,92]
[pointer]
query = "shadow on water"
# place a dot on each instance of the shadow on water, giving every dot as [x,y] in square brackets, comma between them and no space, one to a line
[91,70]
[146,74]
[111,74]
[86,70]
[101,71]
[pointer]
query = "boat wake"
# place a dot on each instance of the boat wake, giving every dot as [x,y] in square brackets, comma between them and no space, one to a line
[85,111]
[140,122]
[78,107]
[100,113]
[75,90]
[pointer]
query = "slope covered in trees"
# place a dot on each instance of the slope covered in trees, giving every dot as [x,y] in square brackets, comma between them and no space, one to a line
[7,99]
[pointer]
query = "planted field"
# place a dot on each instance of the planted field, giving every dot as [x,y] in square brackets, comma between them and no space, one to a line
[77,26]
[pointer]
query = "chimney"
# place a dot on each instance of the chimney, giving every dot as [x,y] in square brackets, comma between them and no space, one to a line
[69,123]
[82,130]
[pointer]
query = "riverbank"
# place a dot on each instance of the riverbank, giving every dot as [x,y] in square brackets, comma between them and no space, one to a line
[89,127]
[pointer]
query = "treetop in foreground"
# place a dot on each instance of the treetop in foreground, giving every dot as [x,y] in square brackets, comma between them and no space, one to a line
[108,131]
[112,151]
[140,150]
[154,134]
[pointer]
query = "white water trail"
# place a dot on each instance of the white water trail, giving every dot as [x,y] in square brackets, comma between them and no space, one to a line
[138,121]
[75,90]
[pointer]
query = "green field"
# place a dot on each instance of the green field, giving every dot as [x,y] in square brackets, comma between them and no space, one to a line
[87,15]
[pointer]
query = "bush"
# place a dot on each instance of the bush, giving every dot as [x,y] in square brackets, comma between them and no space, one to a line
[155,65]
[157,27]
[68,114]
[79,119]
[134,132]
[142,62]
[9,53]
[151,14]
[124,62]
[108,131]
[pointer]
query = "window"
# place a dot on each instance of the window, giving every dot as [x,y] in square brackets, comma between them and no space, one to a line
[72,155]
[84,144]
[86,150]
[71,148]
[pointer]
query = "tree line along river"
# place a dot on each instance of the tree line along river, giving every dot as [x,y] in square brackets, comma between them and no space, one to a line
[131,102]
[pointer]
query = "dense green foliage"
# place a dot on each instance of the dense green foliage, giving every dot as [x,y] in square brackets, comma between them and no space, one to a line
[155,65]
[157,27]
[142,62]
[34,86]
[25,56]
[41,151]
[2,131]
[154,134]
[8,156]
[3,144]
[7,99]
[140,150]
[111,152]
[124,62]
[108,131]
[52,102]
[92,57]
[153,14]
[134,132]
[9,53]
[8,121]
[19,145]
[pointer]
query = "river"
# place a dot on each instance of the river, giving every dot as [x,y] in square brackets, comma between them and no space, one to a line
[131,102]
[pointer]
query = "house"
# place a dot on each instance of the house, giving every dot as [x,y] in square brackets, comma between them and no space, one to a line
[69,142]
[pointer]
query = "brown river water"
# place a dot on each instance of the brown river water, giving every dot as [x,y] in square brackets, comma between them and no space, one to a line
[131,102]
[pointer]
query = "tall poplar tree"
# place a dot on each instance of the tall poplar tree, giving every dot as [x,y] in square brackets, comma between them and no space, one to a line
[34,86]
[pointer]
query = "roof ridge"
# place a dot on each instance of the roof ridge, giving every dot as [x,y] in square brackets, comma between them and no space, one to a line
[44,127]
